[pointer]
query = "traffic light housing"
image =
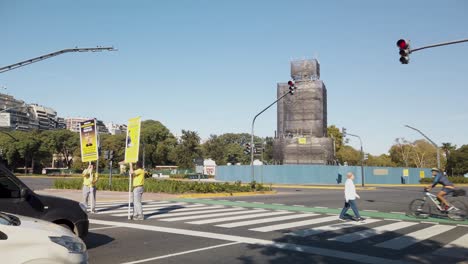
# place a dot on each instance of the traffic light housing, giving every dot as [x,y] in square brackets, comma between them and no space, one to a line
[247,149]
[343,131]
[292,87]
[405,50]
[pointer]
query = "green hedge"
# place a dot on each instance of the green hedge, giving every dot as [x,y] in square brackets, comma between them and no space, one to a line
[457,179]
[165,186]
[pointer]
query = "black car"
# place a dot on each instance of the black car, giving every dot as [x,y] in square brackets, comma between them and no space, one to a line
[17,198]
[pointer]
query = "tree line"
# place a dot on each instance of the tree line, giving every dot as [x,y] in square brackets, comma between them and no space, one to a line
[160,147]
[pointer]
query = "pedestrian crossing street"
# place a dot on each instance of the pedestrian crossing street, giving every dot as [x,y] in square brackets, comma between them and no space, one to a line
[302,224]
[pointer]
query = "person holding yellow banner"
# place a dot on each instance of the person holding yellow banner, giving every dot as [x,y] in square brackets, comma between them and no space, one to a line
[89,186]
[138,182]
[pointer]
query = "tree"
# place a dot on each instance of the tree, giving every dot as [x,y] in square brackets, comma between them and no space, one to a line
[400,152]
[229,148]
[334,132]
[424,154]
[349,155]
[458,161]
[383,160]
[62,142]
[157,142]
[187,150]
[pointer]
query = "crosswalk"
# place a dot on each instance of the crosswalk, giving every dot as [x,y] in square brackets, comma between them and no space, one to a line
[404,234]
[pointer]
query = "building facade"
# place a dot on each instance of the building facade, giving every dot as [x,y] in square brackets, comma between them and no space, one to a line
[301,136]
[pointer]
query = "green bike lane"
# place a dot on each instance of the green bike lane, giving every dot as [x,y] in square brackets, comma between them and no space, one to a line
[373,214]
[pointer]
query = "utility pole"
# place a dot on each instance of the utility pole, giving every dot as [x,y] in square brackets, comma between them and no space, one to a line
[53,54]
[432,142]
[362,154]
[292,88]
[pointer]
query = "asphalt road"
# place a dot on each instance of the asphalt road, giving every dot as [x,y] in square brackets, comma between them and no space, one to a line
[293,226]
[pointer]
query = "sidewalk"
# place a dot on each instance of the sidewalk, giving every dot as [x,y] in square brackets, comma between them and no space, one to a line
[103,196]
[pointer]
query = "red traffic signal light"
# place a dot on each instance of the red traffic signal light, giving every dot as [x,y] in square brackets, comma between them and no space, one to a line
[402,44]
[404,47]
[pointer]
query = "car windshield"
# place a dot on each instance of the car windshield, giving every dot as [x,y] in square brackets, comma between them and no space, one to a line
[6,219]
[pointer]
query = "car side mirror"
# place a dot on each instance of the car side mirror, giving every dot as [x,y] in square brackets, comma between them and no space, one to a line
[24,193]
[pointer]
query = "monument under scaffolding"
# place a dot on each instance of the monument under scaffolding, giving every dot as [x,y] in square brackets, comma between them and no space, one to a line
[301,136]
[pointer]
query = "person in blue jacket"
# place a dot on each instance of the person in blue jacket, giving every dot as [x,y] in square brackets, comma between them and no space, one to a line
[447,187]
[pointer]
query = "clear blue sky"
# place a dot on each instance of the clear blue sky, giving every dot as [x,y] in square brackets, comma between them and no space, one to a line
[210,66]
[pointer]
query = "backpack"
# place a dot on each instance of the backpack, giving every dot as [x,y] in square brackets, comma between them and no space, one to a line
[459,192]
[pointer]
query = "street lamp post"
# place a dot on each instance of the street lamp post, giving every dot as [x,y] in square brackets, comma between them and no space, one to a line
[362,157]
[292,87]
[432,142]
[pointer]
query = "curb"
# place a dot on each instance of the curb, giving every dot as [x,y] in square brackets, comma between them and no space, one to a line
[321,187]
[208,195]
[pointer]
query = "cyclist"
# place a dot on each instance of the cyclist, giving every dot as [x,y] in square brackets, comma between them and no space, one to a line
[448,187]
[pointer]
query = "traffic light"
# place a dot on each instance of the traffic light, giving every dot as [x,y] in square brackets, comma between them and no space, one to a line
[405,51]
[111,154]
[247,149]
[292,87]
[343,131]
[106,154]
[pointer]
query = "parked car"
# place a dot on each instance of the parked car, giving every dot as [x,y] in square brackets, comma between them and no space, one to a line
[33,241]
[17,198]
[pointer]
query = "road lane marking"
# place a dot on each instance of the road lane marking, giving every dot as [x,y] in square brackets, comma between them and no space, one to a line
[163,210]
[232,218]
[146,207]
[295,224]
[355,236]
[457,248]
[340,254]
[183,218]
[370,210]
[100,228]
[267,220]
[177,214]
[327,228]
[415,237]
[182,253]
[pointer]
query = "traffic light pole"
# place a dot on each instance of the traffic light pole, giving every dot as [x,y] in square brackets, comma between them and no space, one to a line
[362,158]
[252,173]
[53,54]
[432,142]
[439,44]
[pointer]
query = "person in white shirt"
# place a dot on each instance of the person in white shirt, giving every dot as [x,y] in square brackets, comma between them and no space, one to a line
[350,198]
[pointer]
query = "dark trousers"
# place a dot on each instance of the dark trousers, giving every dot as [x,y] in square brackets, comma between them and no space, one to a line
[352,204]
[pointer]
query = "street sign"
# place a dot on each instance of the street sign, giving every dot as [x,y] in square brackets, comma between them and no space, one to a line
[199,161]
[199,169]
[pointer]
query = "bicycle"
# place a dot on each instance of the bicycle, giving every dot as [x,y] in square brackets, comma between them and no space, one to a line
[421,208]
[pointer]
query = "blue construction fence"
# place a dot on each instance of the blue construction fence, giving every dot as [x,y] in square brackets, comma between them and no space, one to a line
[320,174]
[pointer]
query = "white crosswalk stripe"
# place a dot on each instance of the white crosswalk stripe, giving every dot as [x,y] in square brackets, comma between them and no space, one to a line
[330,228]
[355,236]
[455,248]
[202,211]
[166,210]
[294,224]
[145,207]
[183,218]
[412,238]
[266,220]
[232,218]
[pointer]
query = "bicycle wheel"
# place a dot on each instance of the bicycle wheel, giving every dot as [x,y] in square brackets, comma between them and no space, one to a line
[461,211]
[419,208]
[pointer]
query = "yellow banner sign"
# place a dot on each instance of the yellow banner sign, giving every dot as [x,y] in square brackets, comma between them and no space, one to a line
[88,140]
[132,145]
[406,172]
[421,174]
[302,141]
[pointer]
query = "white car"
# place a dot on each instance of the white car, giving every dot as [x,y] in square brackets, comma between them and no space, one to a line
[33,241]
